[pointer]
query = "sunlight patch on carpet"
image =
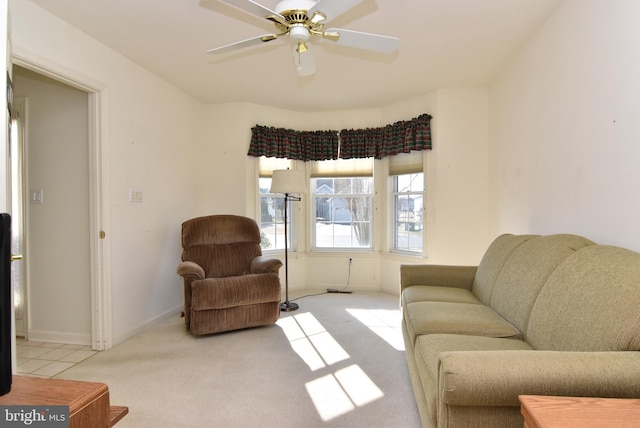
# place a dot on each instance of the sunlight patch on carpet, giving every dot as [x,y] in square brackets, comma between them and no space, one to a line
[336,394]
[311,341]
[383,322]
[329,398]
[358,385]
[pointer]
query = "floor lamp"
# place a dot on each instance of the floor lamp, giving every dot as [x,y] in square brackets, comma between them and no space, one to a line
[288,181]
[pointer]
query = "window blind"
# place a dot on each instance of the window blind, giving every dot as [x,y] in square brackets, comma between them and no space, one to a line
[406,163]
[267,165]
[343,168]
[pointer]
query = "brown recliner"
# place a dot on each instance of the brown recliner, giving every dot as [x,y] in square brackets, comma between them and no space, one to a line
[228,284]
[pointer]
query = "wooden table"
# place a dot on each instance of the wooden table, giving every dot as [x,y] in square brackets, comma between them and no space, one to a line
[88,402]
[580,412]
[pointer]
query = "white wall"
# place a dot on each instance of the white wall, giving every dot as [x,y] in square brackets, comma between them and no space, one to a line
[564,152]
[151,132]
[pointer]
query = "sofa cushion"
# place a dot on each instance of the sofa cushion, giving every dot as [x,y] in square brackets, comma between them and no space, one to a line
[492,262]
[526,271]
[427,356]
[591,302]
[429,293]
[456,318]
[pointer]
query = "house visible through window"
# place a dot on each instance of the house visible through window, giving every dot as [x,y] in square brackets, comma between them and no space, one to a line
[342,198]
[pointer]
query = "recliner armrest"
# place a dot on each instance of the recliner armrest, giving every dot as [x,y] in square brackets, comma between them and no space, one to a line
[262,264]
[191,270]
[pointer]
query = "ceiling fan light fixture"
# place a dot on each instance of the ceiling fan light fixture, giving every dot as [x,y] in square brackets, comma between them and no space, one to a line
[299,33]
[302,47]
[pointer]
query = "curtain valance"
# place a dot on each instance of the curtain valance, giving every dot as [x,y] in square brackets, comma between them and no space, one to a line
[389,140]
[400,137]
[290,144]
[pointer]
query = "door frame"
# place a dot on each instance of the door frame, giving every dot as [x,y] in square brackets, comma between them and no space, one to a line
[18,111]
[99,245]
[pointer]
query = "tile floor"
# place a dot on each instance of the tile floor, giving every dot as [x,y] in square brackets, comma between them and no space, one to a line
[48,359]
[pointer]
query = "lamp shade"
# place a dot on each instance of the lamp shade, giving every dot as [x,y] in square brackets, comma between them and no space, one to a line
[288,181]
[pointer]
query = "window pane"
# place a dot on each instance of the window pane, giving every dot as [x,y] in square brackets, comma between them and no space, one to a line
[408,212]
[410,183]
[343,212]
[272,218]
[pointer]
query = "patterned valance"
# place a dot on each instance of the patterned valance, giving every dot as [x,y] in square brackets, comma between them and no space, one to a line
[400,137]
[290,144]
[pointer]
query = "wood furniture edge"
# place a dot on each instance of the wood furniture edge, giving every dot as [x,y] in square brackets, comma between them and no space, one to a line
[27,390]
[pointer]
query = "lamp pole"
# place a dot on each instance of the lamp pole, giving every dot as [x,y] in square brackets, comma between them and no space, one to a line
[287,306]
[287,181]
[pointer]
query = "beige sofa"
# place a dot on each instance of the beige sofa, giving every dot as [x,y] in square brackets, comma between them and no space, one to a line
[540,315]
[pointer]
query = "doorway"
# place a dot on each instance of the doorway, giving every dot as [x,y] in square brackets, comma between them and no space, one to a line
[64,271]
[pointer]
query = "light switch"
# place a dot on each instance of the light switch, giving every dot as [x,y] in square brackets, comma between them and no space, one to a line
[37,196]
[135,195]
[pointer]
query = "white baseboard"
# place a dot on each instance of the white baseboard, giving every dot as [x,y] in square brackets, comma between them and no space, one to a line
[153,322]
[60,337]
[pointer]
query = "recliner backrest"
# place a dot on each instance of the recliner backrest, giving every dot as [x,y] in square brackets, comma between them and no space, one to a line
[223,245]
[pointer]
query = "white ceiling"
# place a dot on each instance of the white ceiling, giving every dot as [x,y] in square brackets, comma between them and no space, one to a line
[443,43]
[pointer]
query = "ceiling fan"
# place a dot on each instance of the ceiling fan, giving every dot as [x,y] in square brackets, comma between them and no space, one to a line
[302,20]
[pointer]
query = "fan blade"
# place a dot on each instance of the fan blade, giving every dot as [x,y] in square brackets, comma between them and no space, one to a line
[243,44]
[256,9]
[331,9]
[357,39]
[303,60]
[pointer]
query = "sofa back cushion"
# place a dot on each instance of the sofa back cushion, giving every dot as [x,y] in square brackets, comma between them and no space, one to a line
[492,262]
[591,302]
[526,271]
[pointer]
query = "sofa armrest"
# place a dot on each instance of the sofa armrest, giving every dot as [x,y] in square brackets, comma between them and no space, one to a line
[190,270]
[262,264]
[438,275]
[496,378]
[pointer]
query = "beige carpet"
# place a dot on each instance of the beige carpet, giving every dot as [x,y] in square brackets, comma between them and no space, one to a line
[338,361]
